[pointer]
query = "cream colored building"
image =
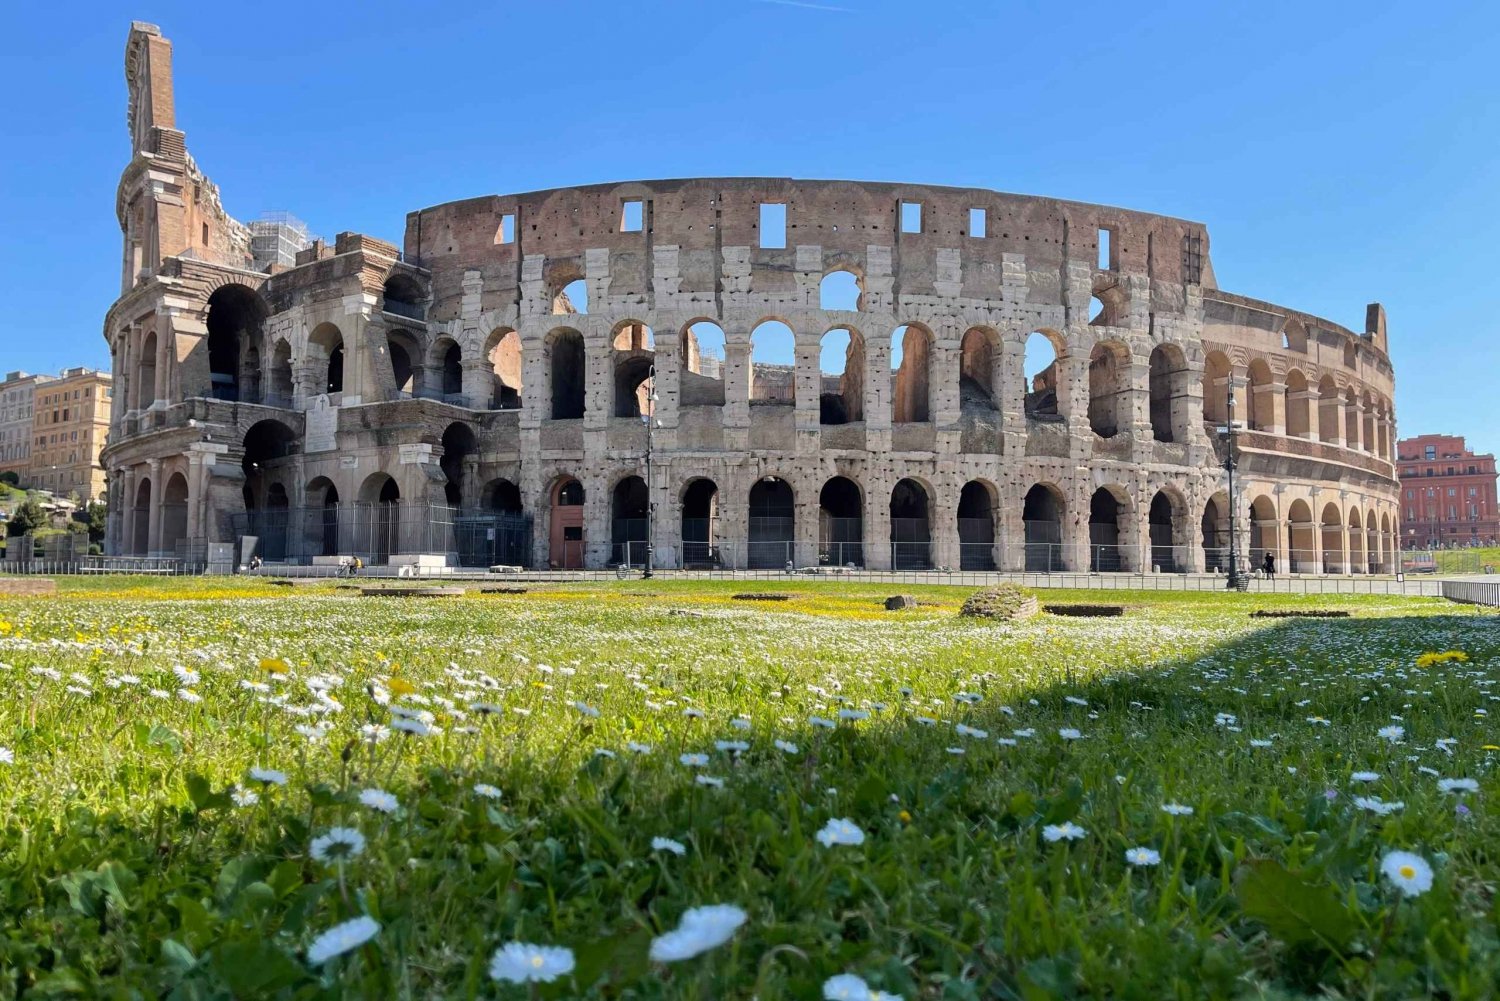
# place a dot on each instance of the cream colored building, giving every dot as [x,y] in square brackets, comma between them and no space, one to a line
[70,420]
[16,393]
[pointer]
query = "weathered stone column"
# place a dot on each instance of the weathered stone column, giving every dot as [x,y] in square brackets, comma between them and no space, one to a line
[153,513]
[877,524]
[478,383]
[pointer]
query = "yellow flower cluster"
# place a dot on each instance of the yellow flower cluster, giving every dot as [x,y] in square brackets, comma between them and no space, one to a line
[1431,658]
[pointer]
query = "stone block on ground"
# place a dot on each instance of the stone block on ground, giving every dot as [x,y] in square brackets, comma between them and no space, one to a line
[1003,601]
[897,602]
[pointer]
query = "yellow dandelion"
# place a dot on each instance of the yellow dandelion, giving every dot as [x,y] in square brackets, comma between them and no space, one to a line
[399,686]
[905,816]
[274,665]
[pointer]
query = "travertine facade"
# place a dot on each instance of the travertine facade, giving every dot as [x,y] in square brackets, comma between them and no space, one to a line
[17,393]
[445,396]
[70,420]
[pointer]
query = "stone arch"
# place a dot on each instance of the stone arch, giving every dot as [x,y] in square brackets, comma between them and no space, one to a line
[841,290]
[280,390]
[1303,554]
[1265,531]
[1216,383]
[1166,528]
[1046,392]
[1351,418]
[1367,437]
[140,543]
[379,524]
[320,501]
[1042,514]
[403,296]
[1214,533]
[174,512]
[1109,535]
[404,350]
[1168,385]
[634,355]
[630,520]
[1330,427]
[841,531]
[234,320]
[1332,539]
[773,355]
[566,540]
[268,448]
[701,364]
[772,524]
[325,352]
[979,368]
[841,364]
[1259,410]
[1109,376]
[445,362]
[1358,558]
[911,525]
[911,374]
[567,373]
[145,373]
[978,508]
[459,442]
[571,298]
[700,524]
[1298,409]
[502,355]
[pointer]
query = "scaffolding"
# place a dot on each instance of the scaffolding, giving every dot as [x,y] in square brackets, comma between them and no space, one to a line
[276,237]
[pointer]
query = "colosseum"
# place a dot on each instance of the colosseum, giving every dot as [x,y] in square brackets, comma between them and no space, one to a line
[739,372]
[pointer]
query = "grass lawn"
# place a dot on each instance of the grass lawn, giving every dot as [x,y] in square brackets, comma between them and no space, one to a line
[200,779]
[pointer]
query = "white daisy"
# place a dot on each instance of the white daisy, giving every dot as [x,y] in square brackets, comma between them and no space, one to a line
[1377,806]
[1391,733]
[269,776]
[339,844]
[1458,785]
[709,780]
[785,745]
[668,845]
[1411,873]
[487,791]
[693,760]
[1068,733]
[341,938]
[1066,830]
[701,929]
[244,797]
[841,832]
[1177,809]
[1365,777]
[524,963]
[378,800]
[1142,856]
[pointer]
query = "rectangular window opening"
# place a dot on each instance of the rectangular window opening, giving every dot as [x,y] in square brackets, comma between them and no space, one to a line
[976,223]
[911,217]
[506,233]
[632,216]
[1106,250]
[772,225]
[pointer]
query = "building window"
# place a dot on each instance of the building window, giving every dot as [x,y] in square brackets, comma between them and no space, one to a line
[1430,452]
[772,225]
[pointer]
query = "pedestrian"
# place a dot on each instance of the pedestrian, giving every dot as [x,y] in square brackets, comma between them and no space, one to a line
[1268,566]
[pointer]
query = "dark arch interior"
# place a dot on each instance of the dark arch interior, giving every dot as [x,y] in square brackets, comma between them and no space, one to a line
[1159,521]
[567,377]
[911,533]
[772,524]
[1041,516]
[504,496]
[841,524]
[453,371]
[1215,538]
[700,525]
[630,511]
[401,370]
[976,527]
[458,443]
[235,315]
[1104,532]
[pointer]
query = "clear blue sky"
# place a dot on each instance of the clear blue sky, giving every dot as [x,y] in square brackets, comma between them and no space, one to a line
[1339,153]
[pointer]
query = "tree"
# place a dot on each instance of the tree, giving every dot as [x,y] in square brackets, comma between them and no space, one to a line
[10,478]
[95,515]
[28,518]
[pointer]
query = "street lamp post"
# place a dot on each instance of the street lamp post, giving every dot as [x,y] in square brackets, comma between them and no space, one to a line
[650,418]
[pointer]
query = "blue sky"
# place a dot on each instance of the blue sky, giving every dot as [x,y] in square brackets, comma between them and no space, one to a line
[1339,154]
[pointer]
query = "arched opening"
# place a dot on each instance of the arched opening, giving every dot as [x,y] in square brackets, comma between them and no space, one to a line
[1302,539]
[502,351]
[325,348]
[841,524]
[145,379]
[280,394]
[572,299]
[701,375]
[235,317]
[773,354]
[450,364]
[566,536]
[1333,540]
[1108,364]
[1216,388]
[269,447]
[1041,366]
[841,361]
[321,502]
[772,524]
[1330,427]
[1097,312]
[379,523]
[502,496]
[839,290]
[1351,419]
[1381,551]
[565,357]
[1264,533]
[1358,558]
[403,297]
[404,354]
[493,529]
[140,543]
[630,513]
[1162,522]
[1215,534]
[976,526]
[911,530]
[700,526]
[634,358]
[911,365]
[1042,516]
[977,354]
[1368,440]
[1104,532]
[174,513]
[1259,407]
[1298,411]
[459,443]
[1168,385]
